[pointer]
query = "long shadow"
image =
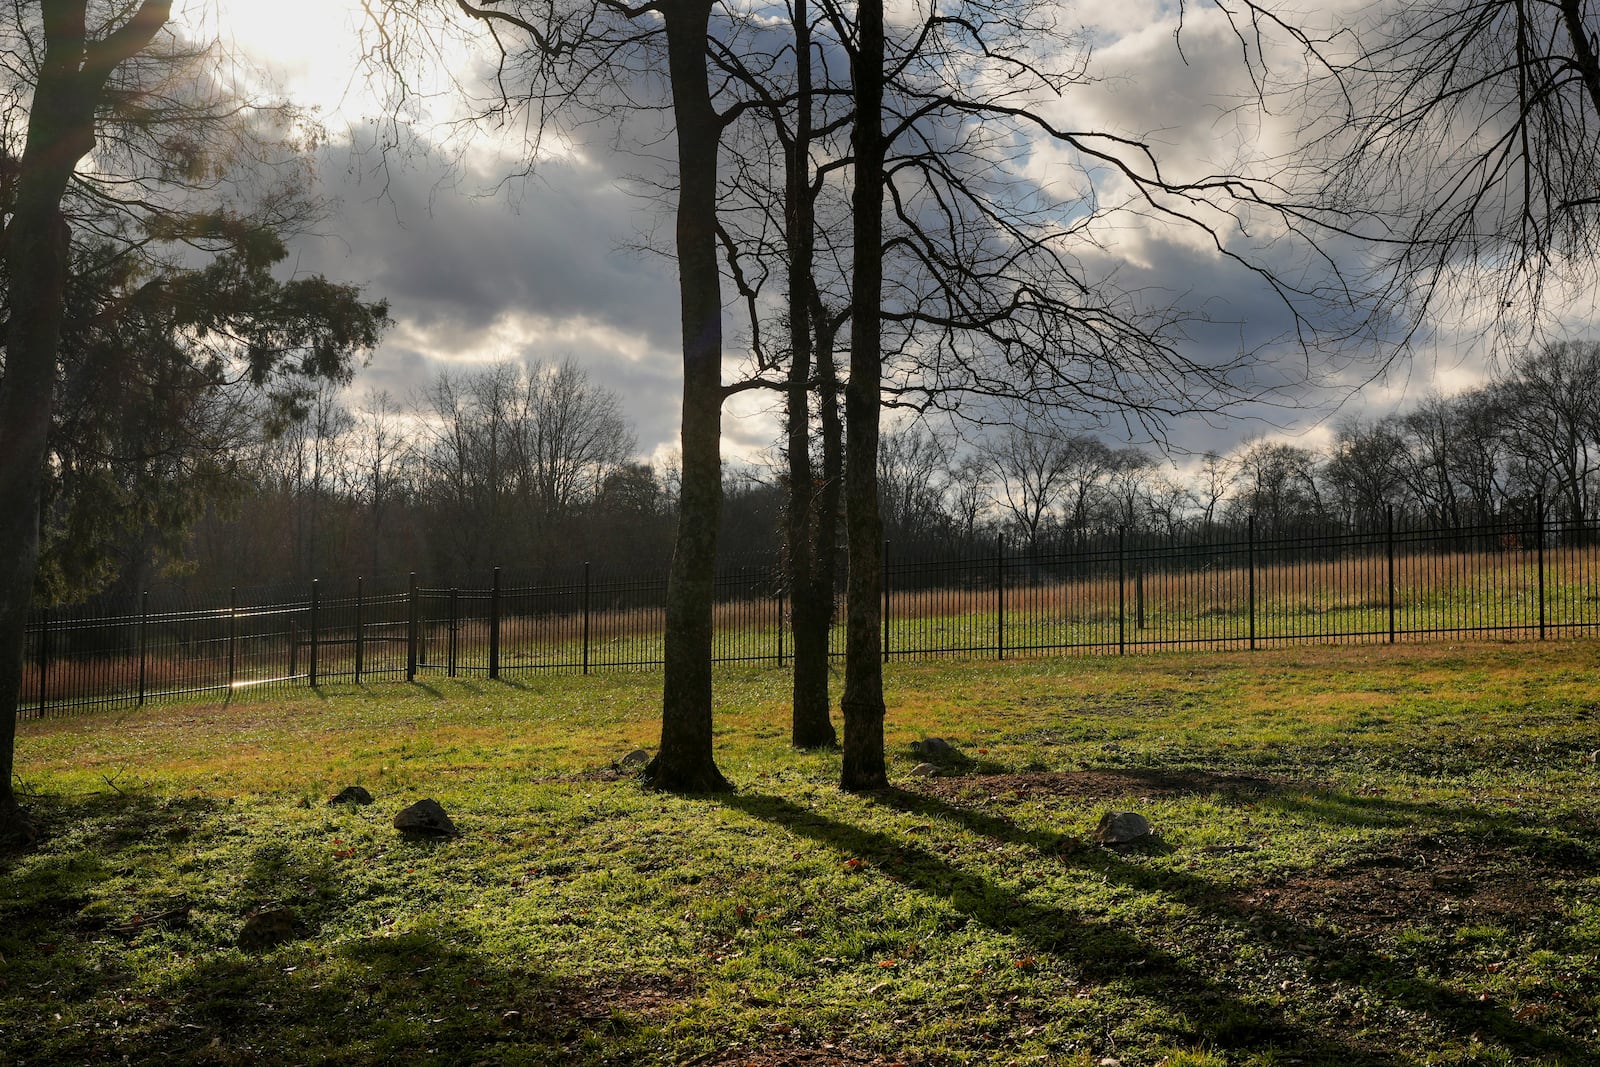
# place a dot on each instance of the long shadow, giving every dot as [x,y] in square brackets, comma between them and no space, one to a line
[1333,956]
[1100,952]
[1546,837]
[432,994]
[422,996]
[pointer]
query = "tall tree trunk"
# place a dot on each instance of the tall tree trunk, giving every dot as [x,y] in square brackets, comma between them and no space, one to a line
[60,133]
[813,626]
[825,566]
[812,727]
[863,765]
[685,762]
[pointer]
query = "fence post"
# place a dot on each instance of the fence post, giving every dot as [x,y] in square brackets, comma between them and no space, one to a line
[1122,591]
[1138,597]
[1389,538]
[233,636]
[884,573]
[1000,596]
[144,623]
[585,616]
[411,630]
[44,655]
[316,605]
[360,603]
[494,625]
[1538,537]
[450,650]
[1251,555]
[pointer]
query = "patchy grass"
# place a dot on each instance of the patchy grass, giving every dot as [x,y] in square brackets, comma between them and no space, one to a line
[1362,856]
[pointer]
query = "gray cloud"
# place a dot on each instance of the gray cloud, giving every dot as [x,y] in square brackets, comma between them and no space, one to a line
[474,274]
[550,271]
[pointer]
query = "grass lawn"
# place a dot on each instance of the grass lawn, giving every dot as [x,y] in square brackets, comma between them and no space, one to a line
[1367,855]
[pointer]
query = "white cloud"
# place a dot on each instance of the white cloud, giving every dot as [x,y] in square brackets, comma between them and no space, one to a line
[550,271]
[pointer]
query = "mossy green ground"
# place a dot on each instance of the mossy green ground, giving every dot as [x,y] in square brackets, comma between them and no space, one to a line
[1362,855]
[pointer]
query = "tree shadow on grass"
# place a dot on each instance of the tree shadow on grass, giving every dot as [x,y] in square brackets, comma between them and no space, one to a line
[1330,954]
[419,996]
[1547,838]
[1103,953]
[1555,839]
[1099,952]
[93,975]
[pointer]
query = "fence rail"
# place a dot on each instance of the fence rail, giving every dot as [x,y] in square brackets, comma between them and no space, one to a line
[1113,594]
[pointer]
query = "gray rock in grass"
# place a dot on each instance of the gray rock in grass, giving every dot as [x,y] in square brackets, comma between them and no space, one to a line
[266,929]
[425,817]
[350,794]
[637,758]
[1121,828]
[936,750]
[925,770]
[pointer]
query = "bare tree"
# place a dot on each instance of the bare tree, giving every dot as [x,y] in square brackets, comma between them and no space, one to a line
[1366,471]
[605,55]
[1215,480]
[1278,486]
[568,437]
[1478,451]
[863,766]
[913,473]
[469,422]
[1458,142]
[1128,485]
[1028,469]
[1550,404]
[317,443]
[1086,463]
[1169,501]
[516,450]
[969,495]
[381,468]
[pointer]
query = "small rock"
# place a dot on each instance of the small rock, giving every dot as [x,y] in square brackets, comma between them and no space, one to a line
[1121,827]
[925,770]
[350,794]
[637,758]
[265,929]
[1593,757]
[425,817]
[936,749]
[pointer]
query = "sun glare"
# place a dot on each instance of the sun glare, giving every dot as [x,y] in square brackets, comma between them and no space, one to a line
[308,48]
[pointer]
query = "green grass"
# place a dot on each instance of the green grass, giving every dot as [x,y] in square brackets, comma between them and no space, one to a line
[1362,856]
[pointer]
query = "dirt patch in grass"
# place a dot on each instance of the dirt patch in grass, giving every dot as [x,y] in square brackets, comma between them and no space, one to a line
[1421,879]
[1112,784]
[799,1057]
[1460,879]
[568,1010]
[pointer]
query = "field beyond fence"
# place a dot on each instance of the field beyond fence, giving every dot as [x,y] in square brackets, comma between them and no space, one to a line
[1110,594]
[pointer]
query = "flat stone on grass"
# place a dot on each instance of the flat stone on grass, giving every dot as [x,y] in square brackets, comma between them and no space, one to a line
[1121,828]
[425,818]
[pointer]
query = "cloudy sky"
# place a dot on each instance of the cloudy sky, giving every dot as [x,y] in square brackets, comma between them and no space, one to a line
[478,271]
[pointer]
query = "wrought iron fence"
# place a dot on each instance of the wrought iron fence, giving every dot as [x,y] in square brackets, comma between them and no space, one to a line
[1114,593]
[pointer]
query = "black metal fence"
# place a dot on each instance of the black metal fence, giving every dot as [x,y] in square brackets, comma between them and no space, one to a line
[1108,594]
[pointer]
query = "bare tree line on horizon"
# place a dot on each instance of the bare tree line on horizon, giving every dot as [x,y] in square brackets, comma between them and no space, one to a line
[531,466]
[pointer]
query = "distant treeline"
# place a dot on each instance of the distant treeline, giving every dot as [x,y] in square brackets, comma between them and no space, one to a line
[533,465]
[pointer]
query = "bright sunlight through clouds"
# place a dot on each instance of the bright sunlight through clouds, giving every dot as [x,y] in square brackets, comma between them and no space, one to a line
[309,47]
